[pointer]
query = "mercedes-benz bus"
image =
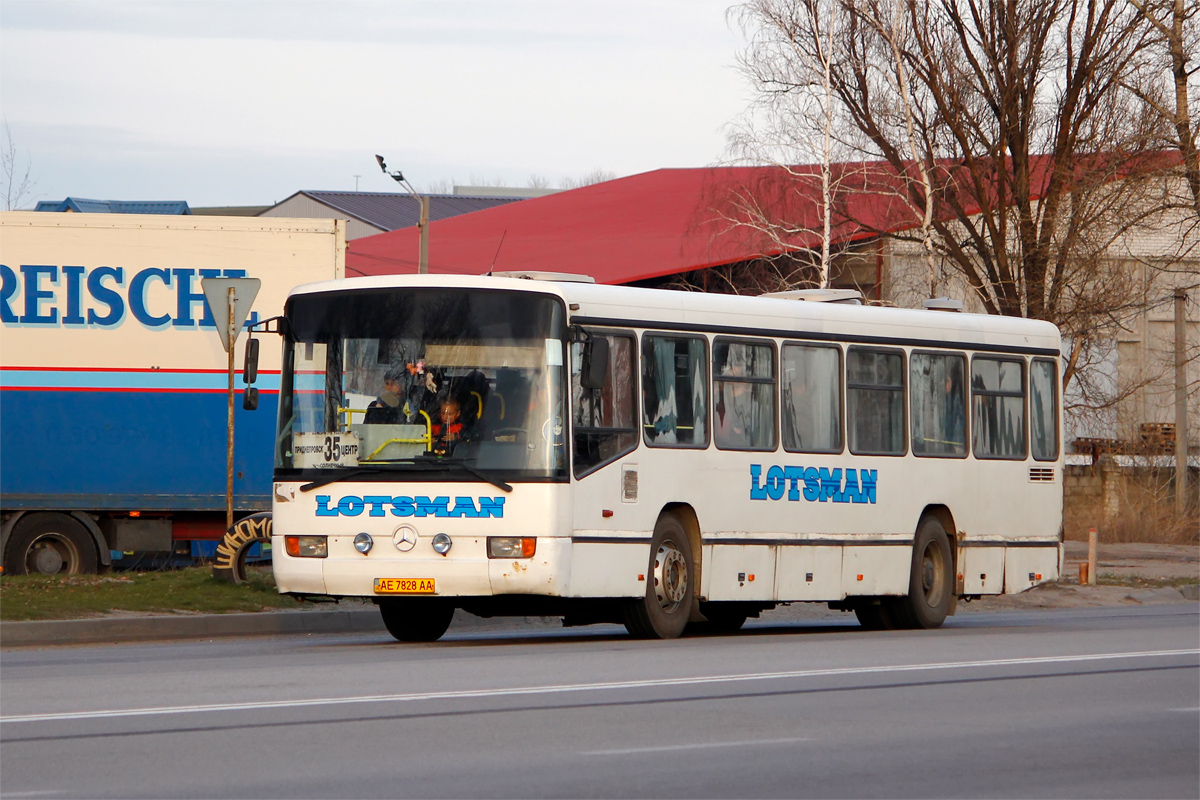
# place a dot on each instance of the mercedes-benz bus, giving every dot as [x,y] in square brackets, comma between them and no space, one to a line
[527,444]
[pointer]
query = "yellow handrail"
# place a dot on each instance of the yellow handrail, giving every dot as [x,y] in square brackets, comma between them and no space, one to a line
[349,411]
[427,440]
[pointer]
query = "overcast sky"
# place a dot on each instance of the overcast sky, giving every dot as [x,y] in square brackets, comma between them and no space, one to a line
[225,103]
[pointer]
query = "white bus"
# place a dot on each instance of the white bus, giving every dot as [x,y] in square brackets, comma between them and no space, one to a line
[551,446]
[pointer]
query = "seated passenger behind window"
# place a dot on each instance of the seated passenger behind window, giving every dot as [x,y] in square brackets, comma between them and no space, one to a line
[386,409]
[449,430]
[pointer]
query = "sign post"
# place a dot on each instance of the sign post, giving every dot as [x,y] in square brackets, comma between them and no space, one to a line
[229,299]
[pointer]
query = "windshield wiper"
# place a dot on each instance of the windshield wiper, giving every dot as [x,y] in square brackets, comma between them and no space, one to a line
[339,475]
[436,462]
[446,462]
[483,476]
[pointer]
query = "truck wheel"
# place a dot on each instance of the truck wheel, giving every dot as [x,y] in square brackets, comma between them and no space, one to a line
[416,620]
[50,544]
[931,581]
[663,613]
[236,543]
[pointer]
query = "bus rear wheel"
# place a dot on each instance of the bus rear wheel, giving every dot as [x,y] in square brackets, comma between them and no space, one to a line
[50,543]
[416,620]
[931,580]
[663,612]
[722,617]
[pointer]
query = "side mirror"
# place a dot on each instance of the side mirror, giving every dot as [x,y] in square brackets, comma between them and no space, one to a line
[250,398]
[594,368]
[250,368]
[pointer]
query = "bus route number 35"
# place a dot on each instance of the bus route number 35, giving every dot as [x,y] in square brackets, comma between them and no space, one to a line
[320,450]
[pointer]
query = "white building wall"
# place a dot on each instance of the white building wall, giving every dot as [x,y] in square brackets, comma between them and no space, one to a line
[304,207]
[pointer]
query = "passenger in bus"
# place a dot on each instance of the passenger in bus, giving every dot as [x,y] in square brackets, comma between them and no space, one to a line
[388,408]
[449,430]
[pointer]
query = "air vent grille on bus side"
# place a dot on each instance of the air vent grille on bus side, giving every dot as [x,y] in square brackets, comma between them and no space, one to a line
[1041,474]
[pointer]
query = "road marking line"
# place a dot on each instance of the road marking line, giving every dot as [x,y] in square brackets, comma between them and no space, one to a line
[517,691]
[1184,710]
[698,746]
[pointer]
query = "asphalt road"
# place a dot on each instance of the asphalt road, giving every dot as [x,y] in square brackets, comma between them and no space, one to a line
[1078,703]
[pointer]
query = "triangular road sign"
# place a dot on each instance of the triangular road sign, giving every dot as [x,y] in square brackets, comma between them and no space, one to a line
[216,292]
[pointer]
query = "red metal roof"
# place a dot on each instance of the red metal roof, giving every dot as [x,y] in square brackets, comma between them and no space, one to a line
[657,223]
[644,226]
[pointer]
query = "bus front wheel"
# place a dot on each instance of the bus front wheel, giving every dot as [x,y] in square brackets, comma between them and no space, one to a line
[416,620]
[931,581]
[663,612]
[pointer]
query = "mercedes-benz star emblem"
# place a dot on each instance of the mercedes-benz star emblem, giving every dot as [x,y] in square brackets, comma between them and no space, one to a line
[405,538]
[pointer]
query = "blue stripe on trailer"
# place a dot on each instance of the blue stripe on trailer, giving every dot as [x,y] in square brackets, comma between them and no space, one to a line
[142,450]
[129,380]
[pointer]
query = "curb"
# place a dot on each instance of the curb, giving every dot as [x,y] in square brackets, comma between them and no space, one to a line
[163,627]
[200,626]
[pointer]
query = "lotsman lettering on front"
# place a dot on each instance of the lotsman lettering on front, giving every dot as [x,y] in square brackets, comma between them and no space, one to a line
[404,506]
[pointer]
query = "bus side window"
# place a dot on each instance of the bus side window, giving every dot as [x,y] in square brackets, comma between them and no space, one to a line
[604,420]
[812,398]
[1043,409]
[938,404]
[998,407]
[875,401]
[744,395]
[674,391]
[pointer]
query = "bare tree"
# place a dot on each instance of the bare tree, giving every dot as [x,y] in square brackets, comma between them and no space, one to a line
[1175,41]
[793,121]
[597,175]
[18,183]
[1009,130]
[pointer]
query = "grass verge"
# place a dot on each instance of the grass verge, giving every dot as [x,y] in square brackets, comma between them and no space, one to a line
[1137,582]
[192,590]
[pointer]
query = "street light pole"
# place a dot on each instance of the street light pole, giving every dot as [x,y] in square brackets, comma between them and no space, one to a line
[423,224]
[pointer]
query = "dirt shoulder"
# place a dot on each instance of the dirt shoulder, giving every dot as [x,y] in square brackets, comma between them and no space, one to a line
[1127,574]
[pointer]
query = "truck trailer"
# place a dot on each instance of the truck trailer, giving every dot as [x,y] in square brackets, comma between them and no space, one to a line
[113,380]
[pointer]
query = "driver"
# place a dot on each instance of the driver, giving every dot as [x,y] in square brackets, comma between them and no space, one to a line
[386,410]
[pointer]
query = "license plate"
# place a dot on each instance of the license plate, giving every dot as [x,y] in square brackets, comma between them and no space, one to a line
[404,586]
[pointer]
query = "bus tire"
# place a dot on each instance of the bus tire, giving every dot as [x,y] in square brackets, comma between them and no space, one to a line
[875,616]
[416,620]
[722,617]
[230,563]
[664,611]
[931,580]
[50,543]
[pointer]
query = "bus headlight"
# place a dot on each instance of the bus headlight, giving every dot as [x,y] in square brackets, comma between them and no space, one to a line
[442,544]
[363,542]
[306,546]
[511,547]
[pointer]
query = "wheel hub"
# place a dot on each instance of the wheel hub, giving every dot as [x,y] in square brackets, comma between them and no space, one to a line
[47,560]
[932,578]
[670,576]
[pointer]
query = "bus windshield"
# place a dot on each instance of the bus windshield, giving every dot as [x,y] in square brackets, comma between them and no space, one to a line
[419,380]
